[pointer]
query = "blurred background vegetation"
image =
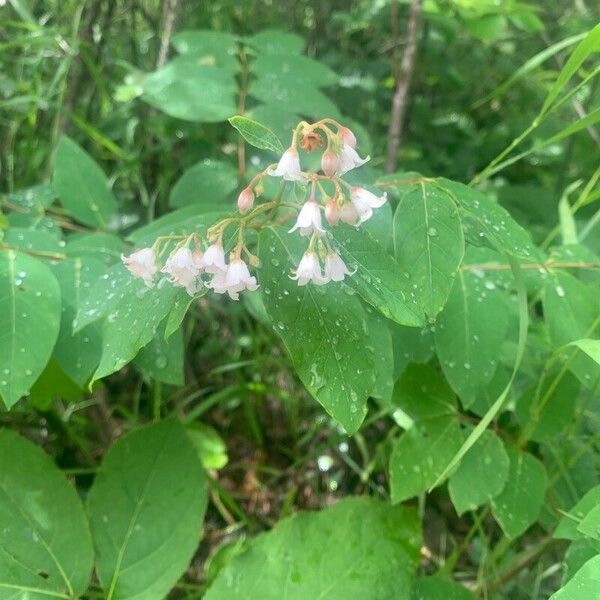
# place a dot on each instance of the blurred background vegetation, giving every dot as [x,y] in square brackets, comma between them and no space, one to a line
[76,67]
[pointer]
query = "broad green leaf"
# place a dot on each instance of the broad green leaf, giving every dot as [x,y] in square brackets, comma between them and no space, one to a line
[207,183]
[421,454]
[381,339]
[486,222]
[323,328]
[29,322]
[132,324]
[82,186]
[53,384]
[429,244]
[590,524]
[378,279]
[187,220]
[210,48]
[279,119]
[567,529]
[256,134]
[146,508]
[97,245]
[438,588]
[78,354]
[584,585]
[179,309]
[295,70]
[34,199]
[45,539]
[556,405]
[577,554]
[359,548]
[589,45]
[38,240]
[590,347]
[487,464]
[411,345]
[210,446]
[275,41]
[519,504]
[470,332]
[162,359]
[188,90]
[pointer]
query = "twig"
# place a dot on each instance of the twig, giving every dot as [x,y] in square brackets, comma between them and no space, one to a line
[170,13]
[403,80]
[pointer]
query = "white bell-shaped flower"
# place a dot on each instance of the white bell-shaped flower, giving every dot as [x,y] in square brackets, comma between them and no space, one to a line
[335,267]
[142,263]
[309,269]
[348,137]
[309,219]
[364,202]
[218,284]
[213,260]
[349,159]
[238,277]
[183,270]
[288,166]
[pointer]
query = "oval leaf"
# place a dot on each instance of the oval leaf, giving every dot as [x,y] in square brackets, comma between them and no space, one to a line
[257,135]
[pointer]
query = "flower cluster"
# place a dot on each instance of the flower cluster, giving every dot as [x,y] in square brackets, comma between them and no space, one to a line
[329,200]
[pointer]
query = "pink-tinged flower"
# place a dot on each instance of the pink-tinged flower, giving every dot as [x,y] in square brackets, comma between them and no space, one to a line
[348,137]
[309,219]
[218,284]
[349,159]
[332,212]
[364,202]
[213,260]
[288,166]
[309,269]
[330,163]
[198,258]
[348,214]
[238,277]
[142,263]
[245,200]
[183,270]
[335,268]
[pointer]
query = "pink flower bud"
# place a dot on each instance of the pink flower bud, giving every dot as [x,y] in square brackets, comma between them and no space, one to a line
[330,163]
[332,212]
[245,200]
[347,137]
[348,214]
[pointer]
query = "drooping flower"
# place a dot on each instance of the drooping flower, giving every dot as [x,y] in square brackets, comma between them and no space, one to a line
[142,263]
[309,269]
[364,202]
[218,284]
[349,159]
[245,200]
[332,212]
[309,219]
[330,163]
[213,260]
[288,166]
[183,270]
[335,268]
[348,214]
[348,137]
[238,277]
[311,141]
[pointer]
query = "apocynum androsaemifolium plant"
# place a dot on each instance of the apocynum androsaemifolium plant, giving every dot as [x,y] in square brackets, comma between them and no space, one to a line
[192,266]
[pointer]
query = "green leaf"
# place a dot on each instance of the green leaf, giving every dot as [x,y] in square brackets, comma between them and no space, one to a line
[378,279]
[45,540]
[280,119]
[589,45]
[296,70]
[411,345]
[584,585]
[132,324]
[96,245]
[567,528]
[429,244]
[381,338]
[207,183]
[519,505]
[29,322]
[210,48]
[323,328]
[146,508]
[359,548]
[209,445]
[275,41]
[438,588]
[590,347]
[162,359]
[34,199]
[188,90]
[257,135]
[470,332]
[577,554]
[590,525]
[78,354]
[487,464]
[486,222]
[38,240]
[82,186]
[178,311]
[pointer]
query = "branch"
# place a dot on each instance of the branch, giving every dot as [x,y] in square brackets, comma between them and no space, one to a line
[403,80]
[169,15]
